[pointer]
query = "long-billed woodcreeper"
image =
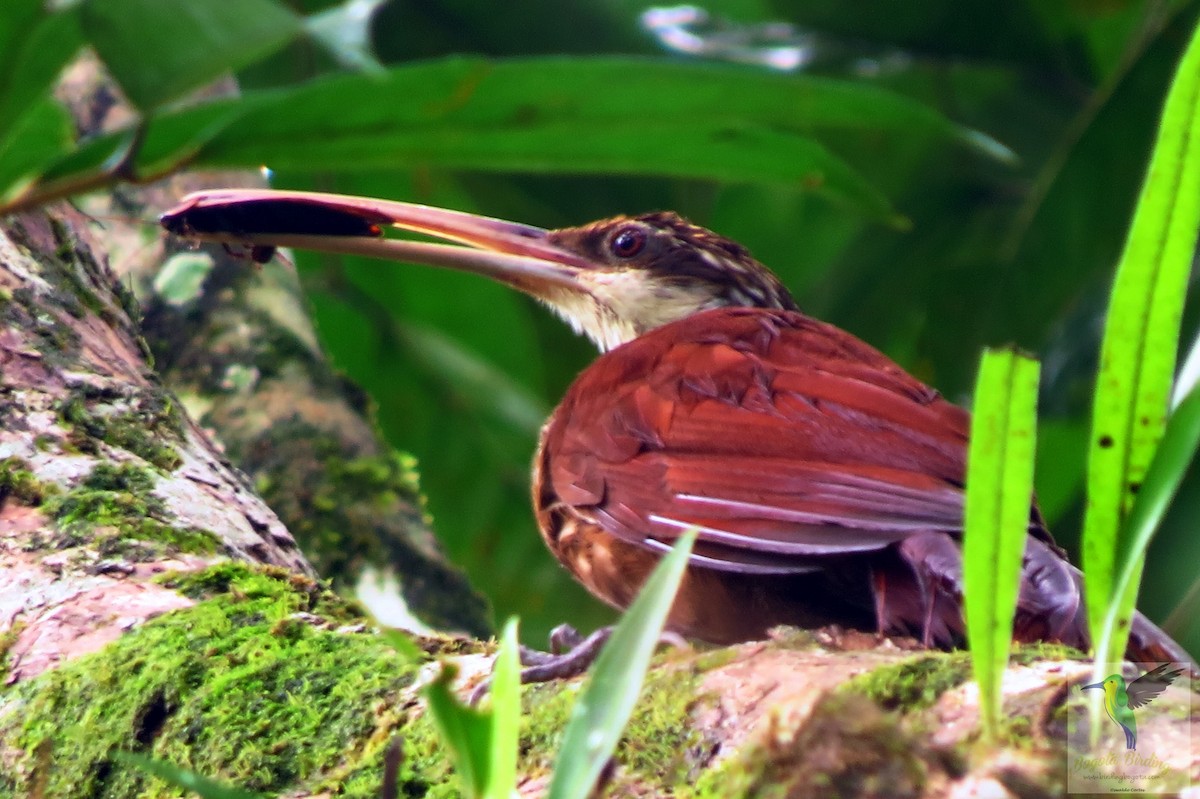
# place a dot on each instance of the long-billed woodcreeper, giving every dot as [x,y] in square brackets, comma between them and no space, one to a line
[826,482]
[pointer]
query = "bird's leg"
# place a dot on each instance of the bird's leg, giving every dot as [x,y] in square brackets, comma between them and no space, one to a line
[558,664]
[570,655]
[879,583]
[935,561]
[563,638]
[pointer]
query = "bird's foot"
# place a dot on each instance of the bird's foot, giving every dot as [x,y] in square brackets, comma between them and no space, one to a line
[570,655]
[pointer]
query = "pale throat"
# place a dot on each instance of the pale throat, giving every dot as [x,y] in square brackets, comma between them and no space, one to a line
[622,306]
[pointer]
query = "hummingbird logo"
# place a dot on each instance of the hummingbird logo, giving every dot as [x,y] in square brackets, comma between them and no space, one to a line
[1121,699]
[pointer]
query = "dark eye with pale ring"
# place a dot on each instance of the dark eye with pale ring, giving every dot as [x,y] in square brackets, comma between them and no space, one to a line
[627,242]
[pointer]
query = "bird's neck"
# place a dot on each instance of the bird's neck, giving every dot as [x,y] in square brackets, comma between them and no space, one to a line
[618,311]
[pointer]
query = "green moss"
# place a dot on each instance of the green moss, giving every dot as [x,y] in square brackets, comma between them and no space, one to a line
[1024,654]
[243,687]
[7,639]
[847,747]
[57,343]
[376,483]
[73,295]
[914,683]
[114,511]
[243,580]
[19,483]
[660,745]
[332,514]
[145,423]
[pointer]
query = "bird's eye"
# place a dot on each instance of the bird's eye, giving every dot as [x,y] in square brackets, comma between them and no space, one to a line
[628,242]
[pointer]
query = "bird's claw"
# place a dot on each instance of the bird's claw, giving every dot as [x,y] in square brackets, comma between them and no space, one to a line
[570,655]
[556,664]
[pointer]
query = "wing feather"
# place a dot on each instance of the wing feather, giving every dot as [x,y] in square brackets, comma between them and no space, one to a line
[785,441]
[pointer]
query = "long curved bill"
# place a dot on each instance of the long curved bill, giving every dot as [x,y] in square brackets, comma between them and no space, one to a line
[259,220]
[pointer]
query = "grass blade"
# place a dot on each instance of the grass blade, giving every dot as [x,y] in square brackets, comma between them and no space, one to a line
[506,717]
[602,710]
[1137,358]
[1163,478]
[182,778]
[483,743]
[999,491]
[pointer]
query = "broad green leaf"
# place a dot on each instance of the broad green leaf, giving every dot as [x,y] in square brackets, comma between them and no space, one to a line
[603,708]
[483,743]
[19,18]
[999,493]
[1061,462]
[33,51]
[157,50]
[1137,359]
[42,134]
[181,778]
[478,381]
[558,115]
[169,143]
[1166,472]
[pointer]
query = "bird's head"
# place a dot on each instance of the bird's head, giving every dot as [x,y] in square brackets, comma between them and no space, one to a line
[645,271]
[1109,686]
[611,280]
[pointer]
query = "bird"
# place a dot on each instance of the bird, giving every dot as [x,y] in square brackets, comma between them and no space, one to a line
[1120,700]
[825,482]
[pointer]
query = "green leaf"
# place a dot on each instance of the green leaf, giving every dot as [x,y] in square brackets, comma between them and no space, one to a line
[41,135]
[33,51]
[1141,336]
[405,646]
[561,115]
[603,708]
[506,716]
[181,778]
[479,382]
[483,744]
[157,50]
[999,493]
[1170,465]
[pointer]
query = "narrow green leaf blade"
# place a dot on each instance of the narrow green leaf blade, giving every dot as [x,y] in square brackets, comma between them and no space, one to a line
[1140,341]
[999,493]
[603,708]
[506,716]
[1170,465]
[182,778]
[466,732]
[157,51]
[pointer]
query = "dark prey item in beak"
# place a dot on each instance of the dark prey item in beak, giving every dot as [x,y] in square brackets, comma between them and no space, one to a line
[513,253]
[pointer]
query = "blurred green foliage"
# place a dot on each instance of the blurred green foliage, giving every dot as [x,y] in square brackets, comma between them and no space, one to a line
[995,253]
